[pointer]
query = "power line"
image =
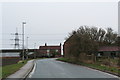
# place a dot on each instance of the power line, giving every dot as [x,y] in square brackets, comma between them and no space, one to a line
[39,34]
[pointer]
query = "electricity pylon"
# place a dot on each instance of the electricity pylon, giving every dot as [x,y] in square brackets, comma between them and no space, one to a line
[16,40]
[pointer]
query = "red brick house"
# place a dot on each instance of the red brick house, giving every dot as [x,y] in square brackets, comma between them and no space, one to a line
[105,51]
[49,51]
[66,47]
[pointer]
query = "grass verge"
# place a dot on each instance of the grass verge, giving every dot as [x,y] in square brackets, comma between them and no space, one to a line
[10,69]
[103,68]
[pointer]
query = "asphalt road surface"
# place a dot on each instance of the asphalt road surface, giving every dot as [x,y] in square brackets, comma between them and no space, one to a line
[50,68]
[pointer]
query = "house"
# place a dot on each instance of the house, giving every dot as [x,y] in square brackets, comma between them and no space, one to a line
[105,51]
[67,46]
[49,51]
[109,51]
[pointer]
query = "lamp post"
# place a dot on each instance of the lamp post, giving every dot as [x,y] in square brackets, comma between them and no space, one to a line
[23,23]
[27,48]
[27,43]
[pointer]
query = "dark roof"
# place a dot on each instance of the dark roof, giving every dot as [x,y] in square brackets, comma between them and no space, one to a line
[109,48]
[50,47]
[68,39]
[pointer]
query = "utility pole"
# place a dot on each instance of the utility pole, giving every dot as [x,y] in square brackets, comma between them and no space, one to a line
[27,47]
[27,42]
[23,23]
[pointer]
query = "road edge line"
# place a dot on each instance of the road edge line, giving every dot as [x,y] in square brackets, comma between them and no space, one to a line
[32,70]
[29,71]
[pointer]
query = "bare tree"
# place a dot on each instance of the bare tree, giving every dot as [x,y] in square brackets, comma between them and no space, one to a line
[110,37]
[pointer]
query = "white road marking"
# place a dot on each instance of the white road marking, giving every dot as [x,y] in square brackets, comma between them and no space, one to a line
[30,75]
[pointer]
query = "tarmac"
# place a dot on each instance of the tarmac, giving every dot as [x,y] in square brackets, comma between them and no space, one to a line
[23,72]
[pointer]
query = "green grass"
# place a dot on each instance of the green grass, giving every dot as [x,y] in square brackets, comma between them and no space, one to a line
[0,72]
[10,69]
[95,65]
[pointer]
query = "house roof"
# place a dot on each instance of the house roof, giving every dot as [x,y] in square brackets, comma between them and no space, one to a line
[50,47]
[109,48]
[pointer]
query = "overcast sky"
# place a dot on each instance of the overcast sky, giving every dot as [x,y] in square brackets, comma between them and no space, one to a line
[50,22]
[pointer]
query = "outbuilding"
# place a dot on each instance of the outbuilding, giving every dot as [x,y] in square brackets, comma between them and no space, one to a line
[109,51]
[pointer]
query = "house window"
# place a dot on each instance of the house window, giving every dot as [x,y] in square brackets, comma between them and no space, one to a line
[113,54]
[48,50]
[100,54]
[56,50]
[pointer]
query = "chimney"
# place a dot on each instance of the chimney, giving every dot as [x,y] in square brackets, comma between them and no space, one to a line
[60,44]
[45,44]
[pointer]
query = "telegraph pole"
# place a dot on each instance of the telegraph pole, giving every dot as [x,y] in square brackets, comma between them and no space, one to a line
[27,47]
[23,23]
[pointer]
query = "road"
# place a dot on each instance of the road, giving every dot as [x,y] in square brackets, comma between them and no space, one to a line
[50,68]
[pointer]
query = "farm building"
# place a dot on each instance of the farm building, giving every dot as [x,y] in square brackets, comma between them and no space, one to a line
[49,51]
[109,51]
